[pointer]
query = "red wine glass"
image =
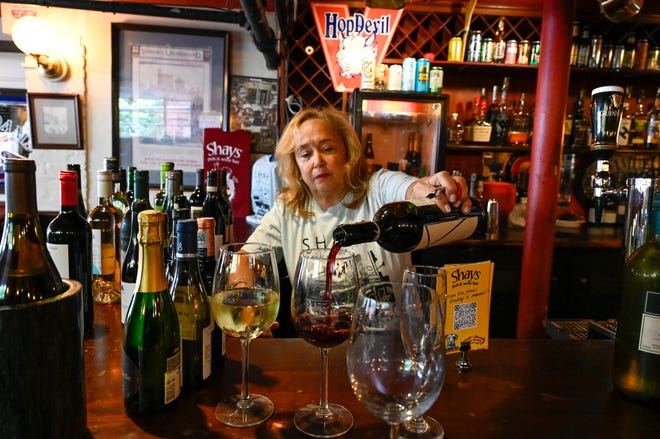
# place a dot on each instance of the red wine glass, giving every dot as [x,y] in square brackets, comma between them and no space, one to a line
[323,296]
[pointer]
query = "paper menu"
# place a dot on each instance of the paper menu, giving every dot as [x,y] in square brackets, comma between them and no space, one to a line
[468,304]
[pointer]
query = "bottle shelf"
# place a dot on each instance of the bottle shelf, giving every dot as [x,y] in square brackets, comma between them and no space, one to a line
[482,147]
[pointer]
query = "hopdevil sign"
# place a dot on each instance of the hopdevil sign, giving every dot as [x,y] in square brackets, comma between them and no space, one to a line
[350,40]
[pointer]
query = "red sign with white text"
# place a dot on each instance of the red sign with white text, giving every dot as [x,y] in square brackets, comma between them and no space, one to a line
[348,39]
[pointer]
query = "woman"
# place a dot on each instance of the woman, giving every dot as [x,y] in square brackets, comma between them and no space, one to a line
[326,183]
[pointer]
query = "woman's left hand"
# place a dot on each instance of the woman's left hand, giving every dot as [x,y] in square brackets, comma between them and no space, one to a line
[454,193]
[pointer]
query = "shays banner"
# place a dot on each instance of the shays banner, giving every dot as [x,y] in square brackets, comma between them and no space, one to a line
[348,39]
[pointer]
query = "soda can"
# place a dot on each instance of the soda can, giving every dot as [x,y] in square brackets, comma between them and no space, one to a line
[523,52]
[408,74]
[511,54]
[435,79]
[535,53]
[422,75]
[455,51]
[394,77]
[474,47]
[487,50]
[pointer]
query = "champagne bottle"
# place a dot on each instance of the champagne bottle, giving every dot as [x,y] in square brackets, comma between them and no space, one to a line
[197,196]
[404,226]
[102,220]
[225,203]
[27,270]
[637,343]
[212,208]
[160,195]
[129,268]
[151,360]
[82,210]
[191,301]
[69,241]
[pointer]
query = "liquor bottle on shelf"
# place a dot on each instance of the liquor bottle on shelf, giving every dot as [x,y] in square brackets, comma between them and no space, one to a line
[653,125]
[585,47]
[518,131]
[639,123]
[481,128]
[494,105]
[577,138]
[69,241]
[500,44]
[191,301]
[213,209]
[498,134]
[629,52]
[404,226]
[625,124]
[160,195]
[575,44]
[102,220]
[413,156]
[82,210]
[129,268]
[225,203]
[369,153]
[456,129]
[196,199]
[636,346]
[151,363]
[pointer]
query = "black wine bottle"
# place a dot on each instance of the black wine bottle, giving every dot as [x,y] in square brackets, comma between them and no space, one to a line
[129,268]
[69,241]
[404,226]
[151,360]
[636,368]
[191,301]
[227,210]
[82,209]
[197,196]
[213,209]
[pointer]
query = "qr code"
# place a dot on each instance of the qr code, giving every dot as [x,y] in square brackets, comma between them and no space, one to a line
[465,315]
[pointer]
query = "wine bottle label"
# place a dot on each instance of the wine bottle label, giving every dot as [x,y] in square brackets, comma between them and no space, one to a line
[127,291]
[173,377]
[481,133]
[207,351]
[187,320]
[624,132]
[60,255]
[649,334]
[447,231]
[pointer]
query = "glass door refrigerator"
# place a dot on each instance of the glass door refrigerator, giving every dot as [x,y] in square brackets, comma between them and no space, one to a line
[408,130]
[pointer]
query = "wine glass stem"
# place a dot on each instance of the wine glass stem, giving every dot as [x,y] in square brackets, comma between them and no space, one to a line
[394,431]
[245,360]
[323,404]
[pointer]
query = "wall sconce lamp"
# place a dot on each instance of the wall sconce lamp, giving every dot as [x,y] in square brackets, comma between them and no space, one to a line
[35,37]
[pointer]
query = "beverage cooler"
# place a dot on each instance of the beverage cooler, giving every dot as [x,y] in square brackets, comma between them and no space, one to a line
[408,130]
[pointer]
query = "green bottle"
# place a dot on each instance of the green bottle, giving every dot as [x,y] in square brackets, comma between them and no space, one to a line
[160,195]
[636,370]
[192,306]
[151,360]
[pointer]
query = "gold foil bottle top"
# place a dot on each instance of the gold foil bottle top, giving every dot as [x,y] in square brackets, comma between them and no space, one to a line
[152,226]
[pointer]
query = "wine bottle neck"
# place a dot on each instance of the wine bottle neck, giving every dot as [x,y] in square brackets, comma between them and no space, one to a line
[20,191]
[346,235]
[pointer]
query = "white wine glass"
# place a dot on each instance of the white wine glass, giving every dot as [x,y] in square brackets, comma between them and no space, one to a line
[395,357]
[323,296]
[245,302]
[425,427]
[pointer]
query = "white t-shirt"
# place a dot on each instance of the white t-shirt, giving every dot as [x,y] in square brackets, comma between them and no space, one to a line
[289,234]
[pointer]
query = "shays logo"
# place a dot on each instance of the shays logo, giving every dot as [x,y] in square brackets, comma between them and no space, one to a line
[346,39]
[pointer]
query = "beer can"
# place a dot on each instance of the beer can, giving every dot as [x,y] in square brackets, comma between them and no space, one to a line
[408,74]
[487,50]
[455,49]
[653,60]
[535,53]
[617,58]
[394,77]
[435,79]
[523,52]
[422,75]
[474,47]
[511,55]
[368,73]
[641,54]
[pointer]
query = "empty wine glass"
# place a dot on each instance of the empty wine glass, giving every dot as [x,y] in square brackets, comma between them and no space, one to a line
[425,427]
[395,357]
[245,301]
[322,301]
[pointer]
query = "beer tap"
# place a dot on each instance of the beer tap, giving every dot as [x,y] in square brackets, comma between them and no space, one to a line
[606,109]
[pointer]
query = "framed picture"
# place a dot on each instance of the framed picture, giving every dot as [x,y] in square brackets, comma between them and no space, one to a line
[54,120]
[168,85]
[253,107]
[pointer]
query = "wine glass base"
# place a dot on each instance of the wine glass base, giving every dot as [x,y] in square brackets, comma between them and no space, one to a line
[429,428]
[315,422]
[235,412]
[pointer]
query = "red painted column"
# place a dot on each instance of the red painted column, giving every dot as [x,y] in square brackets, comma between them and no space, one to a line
[551,96]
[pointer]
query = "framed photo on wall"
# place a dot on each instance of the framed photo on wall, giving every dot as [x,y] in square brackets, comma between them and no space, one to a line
[253,107]
[54,120]
[168,85]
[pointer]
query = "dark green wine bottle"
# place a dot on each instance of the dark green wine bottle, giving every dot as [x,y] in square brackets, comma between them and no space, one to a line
[198,194]
[192,306]
[212,208]
[151,360]
[636,369]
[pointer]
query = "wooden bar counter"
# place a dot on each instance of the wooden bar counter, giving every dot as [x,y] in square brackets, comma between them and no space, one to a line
[516,389]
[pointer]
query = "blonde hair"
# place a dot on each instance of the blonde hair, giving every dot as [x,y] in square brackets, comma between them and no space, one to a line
[295,193]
